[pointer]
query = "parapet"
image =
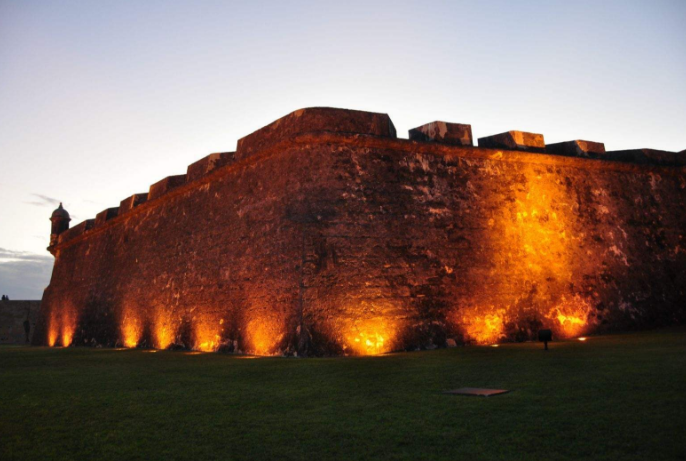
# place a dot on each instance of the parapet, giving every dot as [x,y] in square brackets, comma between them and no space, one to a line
[316,119]
[76,230]
[165,185]
[105,215]
[577,148]
[514,140]
[649,156]
[131,202]
[376,127]
[456,134]
[206,165]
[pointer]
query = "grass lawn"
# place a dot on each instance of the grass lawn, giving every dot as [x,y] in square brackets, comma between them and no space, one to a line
[612,397]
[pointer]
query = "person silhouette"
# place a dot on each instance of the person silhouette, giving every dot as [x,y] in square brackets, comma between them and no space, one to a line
[27,329]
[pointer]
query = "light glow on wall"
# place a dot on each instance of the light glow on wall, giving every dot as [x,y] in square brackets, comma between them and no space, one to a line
[533,245]
[207,333]
[484,327]
[53,328]
[264,335]
[571,315]
[131,327]
[370,336]
[164,329]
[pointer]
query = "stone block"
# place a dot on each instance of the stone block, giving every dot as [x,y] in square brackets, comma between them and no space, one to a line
[167,184]
[132,202]
[316,119]
[514,140]
[208,164]
[456,134]
[577,148]
[648,157]
[105,215]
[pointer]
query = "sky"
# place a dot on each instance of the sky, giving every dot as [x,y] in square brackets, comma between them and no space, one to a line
[100,99]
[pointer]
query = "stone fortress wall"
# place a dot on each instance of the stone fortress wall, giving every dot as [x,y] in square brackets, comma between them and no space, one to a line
[13,314]
[324,234]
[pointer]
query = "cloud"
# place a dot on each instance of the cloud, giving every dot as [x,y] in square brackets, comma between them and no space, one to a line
[24,275]
[44,201]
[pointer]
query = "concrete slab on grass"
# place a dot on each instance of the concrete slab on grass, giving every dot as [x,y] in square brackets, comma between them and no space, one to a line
[476,391]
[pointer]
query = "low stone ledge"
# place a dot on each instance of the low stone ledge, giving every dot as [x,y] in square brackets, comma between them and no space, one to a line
[206,165]
[77,230]
[316,119]
[577,148]
[514,140]
[129,203]
[167,184]
[648,157]
[456,134]
[105,215]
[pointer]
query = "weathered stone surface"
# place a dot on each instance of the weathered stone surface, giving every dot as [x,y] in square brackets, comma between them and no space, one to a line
[208,164]
[165,185]
[105,215]
[446,133]
[316,119]
[514,140]
[577,148]
[131,202]
[648,156]
[337,243]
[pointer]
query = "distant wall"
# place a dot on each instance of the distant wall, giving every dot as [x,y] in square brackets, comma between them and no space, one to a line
[12,317]
[343,243]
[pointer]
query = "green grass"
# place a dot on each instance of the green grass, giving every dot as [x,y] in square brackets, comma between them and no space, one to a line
[612,397]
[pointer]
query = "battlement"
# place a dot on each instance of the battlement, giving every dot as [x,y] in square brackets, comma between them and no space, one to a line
[314,120]
[206,165]
[307,123]
[132,202]
[649,157]
[514,140]
[577,148]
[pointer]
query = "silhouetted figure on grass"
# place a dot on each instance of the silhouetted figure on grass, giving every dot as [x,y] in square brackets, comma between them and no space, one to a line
[27,329]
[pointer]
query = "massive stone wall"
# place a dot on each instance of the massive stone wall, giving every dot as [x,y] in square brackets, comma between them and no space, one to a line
[323,234]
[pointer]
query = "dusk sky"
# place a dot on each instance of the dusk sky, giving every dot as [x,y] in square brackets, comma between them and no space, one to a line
[100,99]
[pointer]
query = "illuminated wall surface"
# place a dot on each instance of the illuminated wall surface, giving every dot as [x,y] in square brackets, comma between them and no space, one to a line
[314,240]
